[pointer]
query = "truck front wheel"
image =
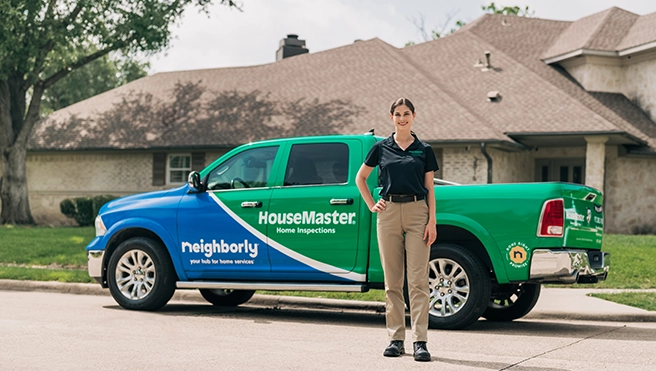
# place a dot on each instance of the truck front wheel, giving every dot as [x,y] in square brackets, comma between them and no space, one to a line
[512,302]
[140,274]
[459,287]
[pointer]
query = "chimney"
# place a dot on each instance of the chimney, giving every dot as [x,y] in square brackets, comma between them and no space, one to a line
[290,47]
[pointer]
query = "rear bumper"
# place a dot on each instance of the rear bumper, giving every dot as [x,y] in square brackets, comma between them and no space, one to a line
[569,266]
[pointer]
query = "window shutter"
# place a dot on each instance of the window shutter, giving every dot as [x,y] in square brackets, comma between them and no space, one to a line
[439,156]
[159,169]
[197,161]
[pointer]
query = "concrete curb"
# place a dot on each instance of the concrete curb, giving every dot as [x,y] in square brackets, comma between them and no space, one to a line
[194,296]
[575,304]
[562,304]
[52,286]
[608,317]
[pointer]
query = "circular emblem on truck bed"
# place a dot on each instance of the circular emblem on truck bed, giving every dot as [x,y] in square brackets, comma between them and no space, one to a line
[518,254]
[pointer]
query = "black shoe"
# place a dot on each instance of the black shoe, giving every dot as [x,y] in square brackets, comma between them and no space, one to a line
[421,353]
[394,349]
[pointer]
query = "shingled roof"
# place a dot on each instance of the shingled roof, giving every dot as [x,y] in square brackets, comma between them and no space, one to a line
[611,32]
[348,90]
[343,90]
[550,100]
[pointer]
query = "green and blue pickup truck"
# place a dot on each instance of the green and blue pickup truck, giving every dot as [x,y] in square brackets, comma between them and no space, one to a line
[285,214]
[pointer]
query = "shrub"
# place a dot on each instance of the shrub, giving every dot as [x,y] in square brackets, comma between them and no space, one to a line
[67,208]
[99,201]
[84,209]
[644,229]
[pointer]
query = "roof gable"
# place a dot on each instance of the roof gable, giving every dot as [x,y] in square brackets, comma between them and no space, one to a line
[612,32]
[642,32]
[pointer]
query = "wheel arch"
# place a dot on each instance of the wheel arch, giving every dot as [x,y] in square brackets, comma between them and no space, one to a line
[127,231]
[465,232]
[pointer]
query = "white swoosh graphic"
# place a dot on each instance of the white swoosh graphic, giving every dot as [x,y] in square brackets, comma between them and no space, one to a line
[323,267]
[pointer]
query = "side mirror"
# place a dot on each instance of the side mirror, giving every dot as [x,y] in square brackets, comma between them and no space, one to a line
[194,181]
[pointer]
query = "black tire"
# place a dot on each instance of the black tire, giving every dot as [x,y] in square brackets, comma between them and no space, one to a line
[140,274]
[460,287]
[512,302]
[227,298]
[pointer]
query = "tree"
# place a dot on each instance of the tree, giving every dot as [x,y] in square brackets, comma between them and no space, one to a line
[35,34]
[97,77]
[508,10]
[190,108]
[490,9]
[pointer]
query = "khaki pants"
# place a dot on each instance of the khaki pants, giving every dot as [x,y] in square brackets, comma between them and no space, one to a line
[400,234]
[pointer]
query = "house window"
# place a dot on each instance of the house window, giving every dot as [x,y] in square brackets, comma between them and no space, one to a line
[560,170]
[178,168]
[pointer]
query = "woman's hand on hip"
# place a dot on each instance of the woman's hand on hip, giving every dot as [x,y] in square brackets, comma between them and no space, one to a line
[378,206]
[430,234]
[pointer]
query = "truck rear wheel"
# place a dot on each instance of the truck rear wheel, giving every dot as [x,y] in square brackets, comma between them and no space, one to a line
[459,287]
[512,302]
[227,298]
[140,274]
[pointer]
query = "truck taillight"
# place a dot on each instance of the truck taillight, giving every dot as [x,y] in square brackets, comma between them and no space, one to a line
[552,219]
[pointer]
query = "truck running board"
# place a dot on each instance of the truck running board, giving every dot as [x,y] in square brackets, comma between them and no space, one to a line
[271,286]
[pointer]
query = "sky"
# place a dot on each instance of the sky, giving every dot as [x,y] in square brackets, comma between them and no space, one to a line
[227,37]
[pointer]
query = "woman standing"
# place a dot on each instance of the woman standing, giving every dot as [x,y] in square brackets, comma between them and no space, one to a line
[406,225]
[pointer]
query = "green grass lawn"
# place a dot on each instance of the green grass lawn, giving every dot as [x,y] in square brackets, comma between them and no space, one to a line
[632,262]
[58,254]
[63,247]
[37,274]
[44,254]
[644,300]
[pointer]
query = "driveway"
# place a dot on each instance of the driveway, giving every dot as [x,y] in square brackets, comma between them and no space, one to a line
[55,331]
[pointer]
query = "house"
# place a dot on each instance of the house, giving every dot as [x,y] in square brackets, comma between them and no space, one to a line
[504,99]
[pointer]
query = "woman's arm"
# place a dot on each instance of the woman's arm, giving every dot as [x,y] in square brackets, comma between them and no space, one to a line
[430,234]
[361,182]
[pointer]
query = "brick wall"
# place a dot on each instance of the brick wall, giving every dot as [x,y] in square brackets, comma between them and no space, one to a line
[630,198]
[635,77]
[511,167]
[640,84]
[53,177]
[110,172]
[464,165]
[469,166]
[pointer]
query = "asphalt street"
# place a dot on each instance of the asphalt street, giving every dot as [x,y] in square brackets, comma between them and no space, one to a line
[63,330]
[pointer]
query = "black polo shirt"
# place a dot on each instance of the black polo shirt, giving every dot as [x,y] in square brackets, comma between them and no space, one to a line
[402,172]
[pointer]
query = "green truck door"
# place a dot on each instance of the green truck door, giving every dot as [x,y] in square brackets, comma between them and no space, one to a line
[312,220]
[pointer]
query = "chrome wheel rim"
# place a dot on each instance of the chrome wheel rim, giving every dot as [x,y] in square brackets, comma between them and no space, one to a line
[449,287]
[135,274]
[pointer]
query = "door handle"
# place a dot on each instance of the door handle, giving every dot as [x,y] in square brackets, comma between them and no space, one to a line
[341,201]
[251,204]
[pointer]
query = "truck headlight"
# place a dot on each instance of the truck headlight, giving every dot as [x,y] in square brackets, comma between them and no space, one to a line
[100,227]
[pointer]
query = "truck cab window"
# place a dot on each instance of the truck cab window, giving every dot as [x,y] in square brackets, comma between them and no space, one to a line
[248,169]
[320,163]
